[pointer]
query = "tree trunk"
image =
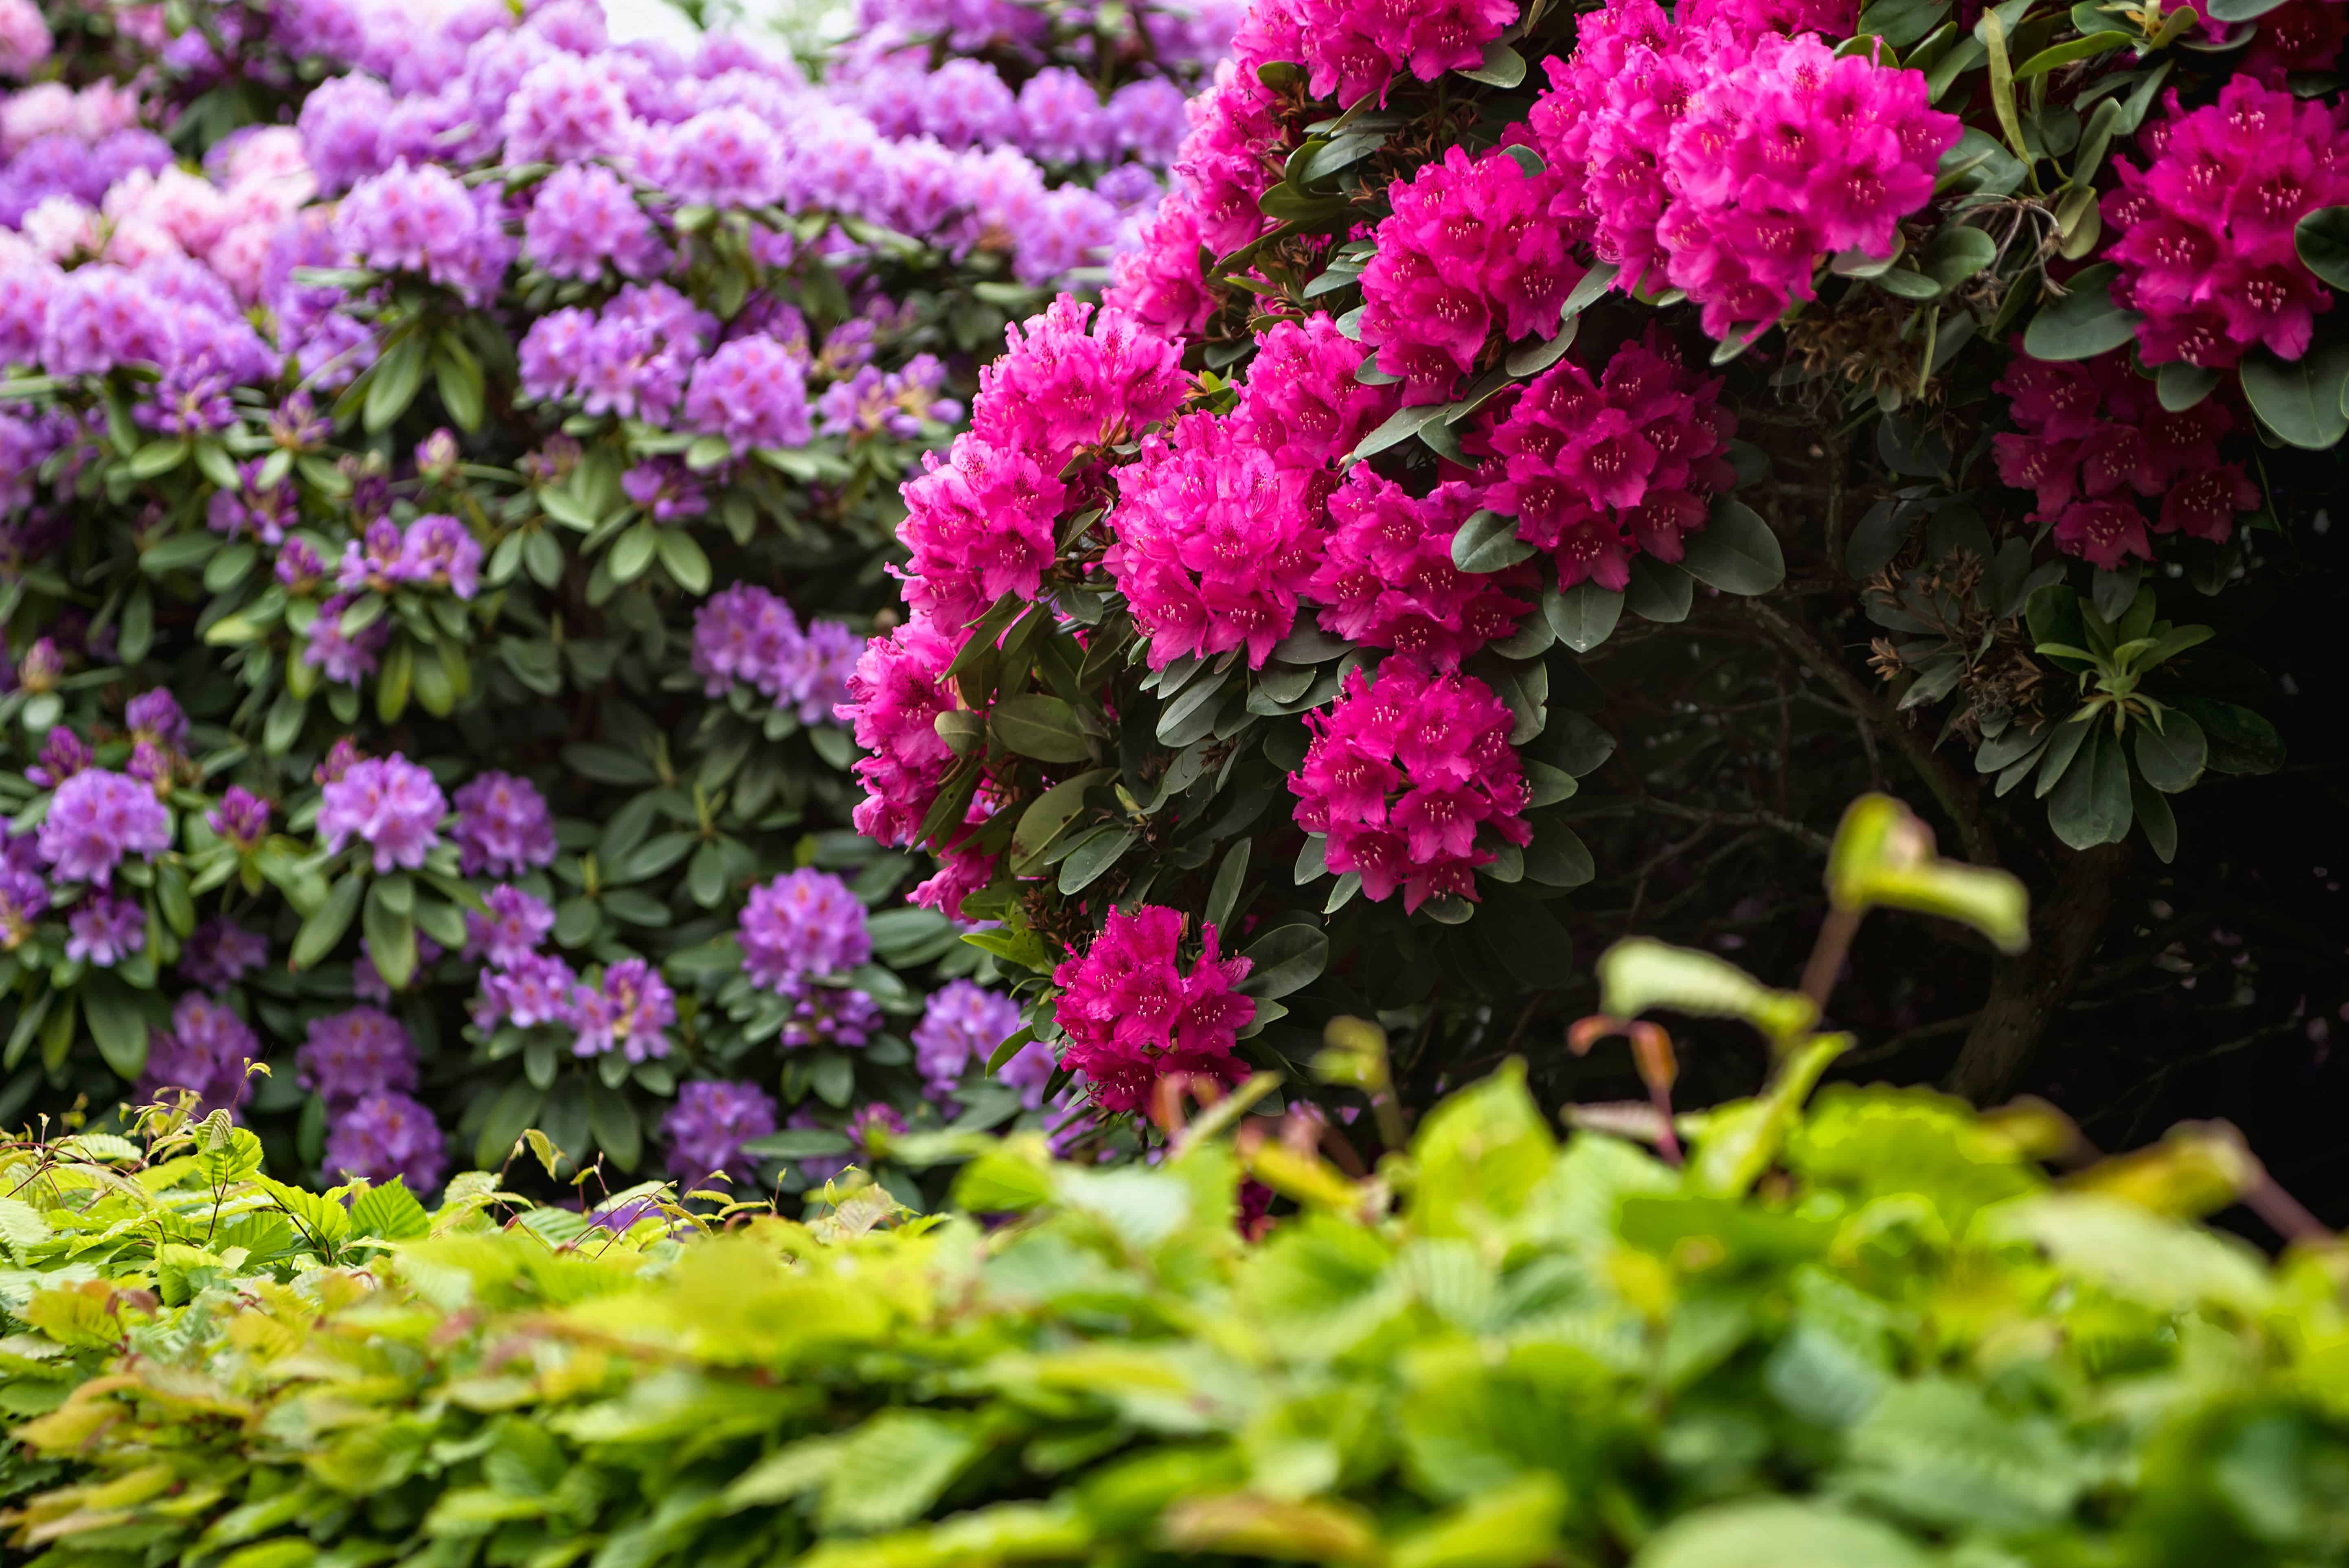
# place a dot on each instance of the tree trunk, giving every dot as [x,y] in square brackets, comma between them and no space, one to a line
[2025,991]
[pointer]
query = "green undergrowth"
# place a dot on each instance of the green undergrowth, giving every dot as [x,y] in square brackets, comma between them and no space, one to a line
[1868,1331]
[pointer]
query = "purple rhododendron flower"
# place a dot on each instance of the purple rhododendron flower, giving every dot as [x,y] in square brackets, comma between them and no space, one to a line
[964,1021]
[207,1049]
[95,818]
[389,803]
[386,1136]
[805,923]
[351,1055]
[708,1125]
[503,826]
[103,929]
[220,953]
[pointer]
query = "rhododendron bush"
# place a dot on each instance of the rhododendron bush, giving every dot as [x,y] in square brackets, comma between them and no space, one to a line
[449,467]
[1264,630]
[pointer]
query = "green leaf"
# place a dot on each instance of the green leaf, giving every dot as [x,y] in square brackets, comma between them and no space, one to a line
[2085,322]
[1736,552]
[681,556]
[633,551]
[389,1212]
[1487,542]
[459,376]
[1038,726]
[117,1024]
[2238,740]
[158,458]
[1636,975]
[1883,857]
[1502,66]
[2301,401]
[1584,616]
[178,552]
[2172,758]
[1537,358]
[613,1122]
[2322,240]
[799,1143]
[1094,854]
[2048,59]
[2181,386]
[1285,959]
[1224,895]
[2091,805]
[1558,856]
[323,929]
[1399,426]
[393,383]
[1658,591]
[2240,10]
[390,940]
[1779,1533]
[1479,1156]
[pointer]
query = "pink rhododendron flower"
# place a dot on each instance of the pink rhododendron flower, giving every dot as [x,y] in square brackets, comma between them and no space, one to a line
[2091,437]
[1133,1015]
[2205,230]
[1412,777]
[1597,472]
[1469,249]
[1388,581]
[1213,545]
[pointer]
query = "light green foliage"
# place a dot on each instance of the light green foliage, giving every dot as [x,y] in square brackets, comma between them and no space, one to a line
[1862,1329]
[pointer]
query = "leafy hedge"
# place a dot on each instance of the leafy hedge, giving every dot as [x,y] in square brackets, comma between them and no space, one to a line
[1859,1327]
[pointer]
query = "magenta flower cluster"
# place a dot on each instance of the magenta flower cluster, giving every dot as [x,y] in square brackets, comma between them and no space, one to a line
[1597,472]
[1411,777]
[1387,581]
[1467,250]
[1132,1014]
[433,551]
[2097,450]
[2204,232]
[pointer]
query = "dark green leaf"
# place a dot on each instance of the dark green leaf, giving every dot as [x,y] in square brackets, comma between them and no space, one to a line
[2322,240]
[1285,959]
[1041,727]
[1736,552]
[1502,66]
[1584,616]
[1659,592]
[2085,322]
[2091,805]
[323,930]
[2238,740]
[393,383]
[117,1024]
[1488,542]
[1094,855]
[1558,856]
[2303,400]
[2172,758]
[2181,386]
